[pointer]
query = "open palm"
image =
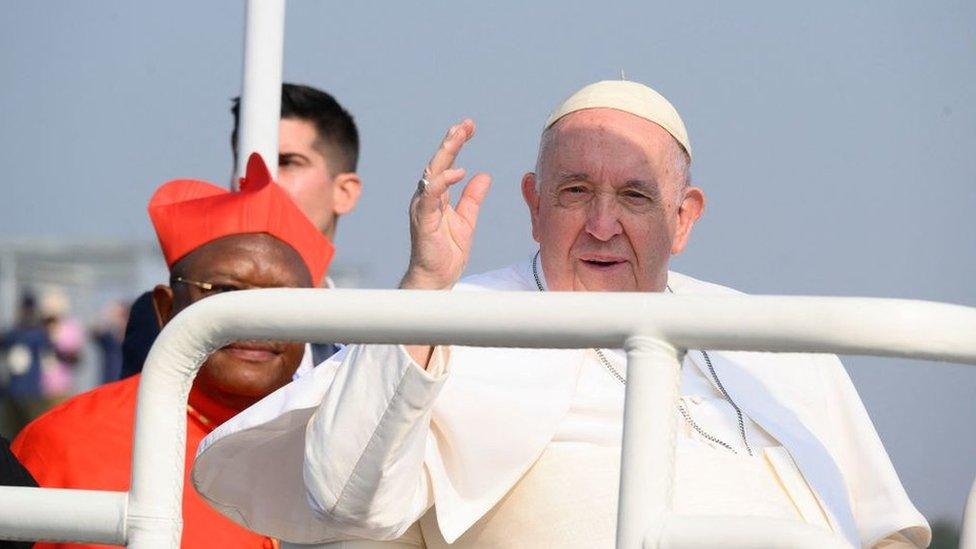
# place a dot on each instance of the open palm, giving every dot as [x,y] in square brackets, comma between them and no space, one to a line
[441,234]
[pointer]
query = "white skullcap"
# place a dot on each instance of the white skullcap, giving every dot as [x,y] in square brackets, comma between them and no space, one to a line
[626,96]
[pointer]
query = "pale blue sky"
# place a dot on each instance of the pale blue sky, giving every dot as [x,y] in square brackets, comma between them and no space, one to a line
[835,142]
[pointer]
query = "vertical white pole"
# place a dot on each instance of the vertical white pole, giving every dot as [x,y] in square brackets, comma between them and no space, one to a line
[154,518]
[647,458]
[264,31]
[8,287]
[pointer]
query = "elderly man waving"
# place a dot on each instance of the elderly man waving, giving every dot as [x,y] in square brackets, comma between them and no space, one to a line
[475,447]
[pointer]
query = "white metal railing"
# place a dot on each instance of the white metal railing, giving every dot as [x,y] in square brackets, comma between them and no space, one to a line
[653,328]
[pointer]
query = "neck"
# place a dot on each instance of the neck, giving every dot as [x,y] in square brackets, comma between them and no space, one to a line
[213,412]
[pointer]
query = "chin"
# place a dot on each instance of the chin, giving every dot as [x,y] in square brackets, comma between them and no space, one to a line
[246,378]
[605,284]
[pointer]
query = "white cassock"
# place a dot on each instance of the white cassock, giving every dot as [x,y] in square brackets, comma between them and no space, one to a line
[521,448]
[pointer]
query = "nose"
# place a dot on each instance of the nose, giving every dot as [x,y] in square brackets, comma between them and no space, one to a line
[603,218]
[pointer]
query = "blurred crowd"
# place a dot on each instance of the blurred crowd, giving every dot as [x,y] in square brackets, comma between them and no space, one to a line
[41,351]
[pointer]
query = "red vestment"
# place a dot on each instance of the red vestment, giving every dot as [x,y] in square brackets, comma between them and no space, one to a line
[86,443]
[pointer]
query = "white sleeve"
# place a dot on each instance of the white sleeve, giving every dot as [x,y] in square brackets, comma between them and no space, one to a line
[364,448]
[881,508]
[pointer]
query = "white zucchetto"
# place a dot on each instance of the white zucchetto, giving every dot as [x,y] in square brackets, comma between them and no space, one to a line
[630,97]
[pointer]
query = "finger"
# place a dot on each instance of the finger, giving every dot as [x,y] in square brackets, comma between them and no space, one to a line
[438,185]
[436,194]
[451,145]
[471,199]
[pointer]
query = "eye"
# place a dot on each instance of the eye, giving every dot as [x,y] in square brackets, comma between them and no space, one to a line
[574,195]
[290,160]
[635,198]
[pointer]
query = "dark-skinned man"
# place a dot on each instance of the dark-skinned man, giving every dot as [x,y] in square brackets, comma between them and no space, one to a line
[318,153]
[214,241]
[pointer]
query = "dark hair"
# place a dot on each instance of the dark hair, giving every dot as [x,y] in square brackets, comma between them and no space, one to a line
[336,129]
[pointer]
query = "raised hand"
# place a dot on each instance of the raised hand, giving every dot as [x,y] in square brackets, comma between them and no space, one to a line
[441,235]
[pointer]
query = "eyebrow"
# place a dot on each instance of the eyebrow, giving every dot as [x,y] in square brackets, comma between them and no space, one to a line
[570,177]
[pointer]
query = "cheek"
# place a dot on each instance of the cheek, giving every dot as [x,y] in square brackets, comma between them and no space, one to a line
[308,188]
[313,198]
[293,357]
[217,372]
[650,238]
[559,228]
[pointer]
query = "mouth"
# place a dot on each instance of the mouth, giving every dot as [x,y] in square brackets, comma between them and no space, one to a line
[602,263]
[253,351]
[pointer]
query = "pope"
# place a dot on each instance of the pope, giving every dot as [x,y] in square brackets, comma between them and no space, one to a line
[476,447]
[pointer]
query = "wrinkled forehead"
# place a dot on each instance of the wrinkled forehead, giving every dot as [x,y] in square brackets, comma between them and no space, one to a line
[607,140]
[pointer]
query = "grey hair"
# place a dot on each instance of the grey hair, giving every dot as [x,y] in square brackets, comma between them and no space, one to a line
[681,162]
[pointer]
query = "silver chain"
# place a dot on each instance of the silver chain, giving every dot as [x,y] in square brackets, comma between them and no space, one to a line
[681,409]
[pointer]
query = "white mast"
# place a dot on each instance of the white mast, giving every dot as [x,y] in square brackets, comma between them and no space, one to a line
[264,31]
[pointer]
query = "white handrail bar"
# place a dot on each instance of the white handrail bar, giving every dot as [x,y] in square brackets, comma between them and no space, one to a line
[885,327]
[841,325]
[87,516]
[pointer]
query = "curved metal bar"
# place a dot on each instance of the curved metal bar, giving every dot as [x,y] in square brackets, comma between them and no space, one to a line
[91,516]
[511,319]
[506,319]
[842,325]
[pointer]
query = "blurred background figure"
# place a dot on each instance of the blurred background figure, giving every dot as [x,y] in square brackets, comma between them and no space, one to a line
[107,335]
[23,350]
[73,283]
[47,353]
[67,340]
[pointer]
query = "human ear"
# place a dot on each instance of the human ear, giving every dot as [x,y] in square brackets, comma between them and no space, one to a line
[530,193]
[162,297]
[346,188]
[691,208]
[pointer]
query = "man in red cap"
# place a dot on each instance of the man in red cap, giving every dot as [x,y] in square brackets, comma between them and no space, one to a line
[214,241]
[318,153]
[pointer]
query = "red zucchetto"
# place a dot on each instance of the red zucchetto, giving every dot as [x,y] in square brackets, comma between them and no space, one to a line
[189,213]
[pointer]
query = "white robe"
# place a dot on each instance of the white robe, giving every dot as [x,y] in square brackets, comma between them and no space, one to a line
[389,439]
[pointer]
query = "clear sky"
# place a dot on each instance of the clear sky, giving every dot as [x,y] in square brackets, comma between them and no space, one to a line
[836,142]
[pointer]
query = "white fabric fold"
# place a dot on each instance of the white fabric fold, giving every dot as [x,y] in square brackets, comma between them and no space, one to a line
[346,443]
